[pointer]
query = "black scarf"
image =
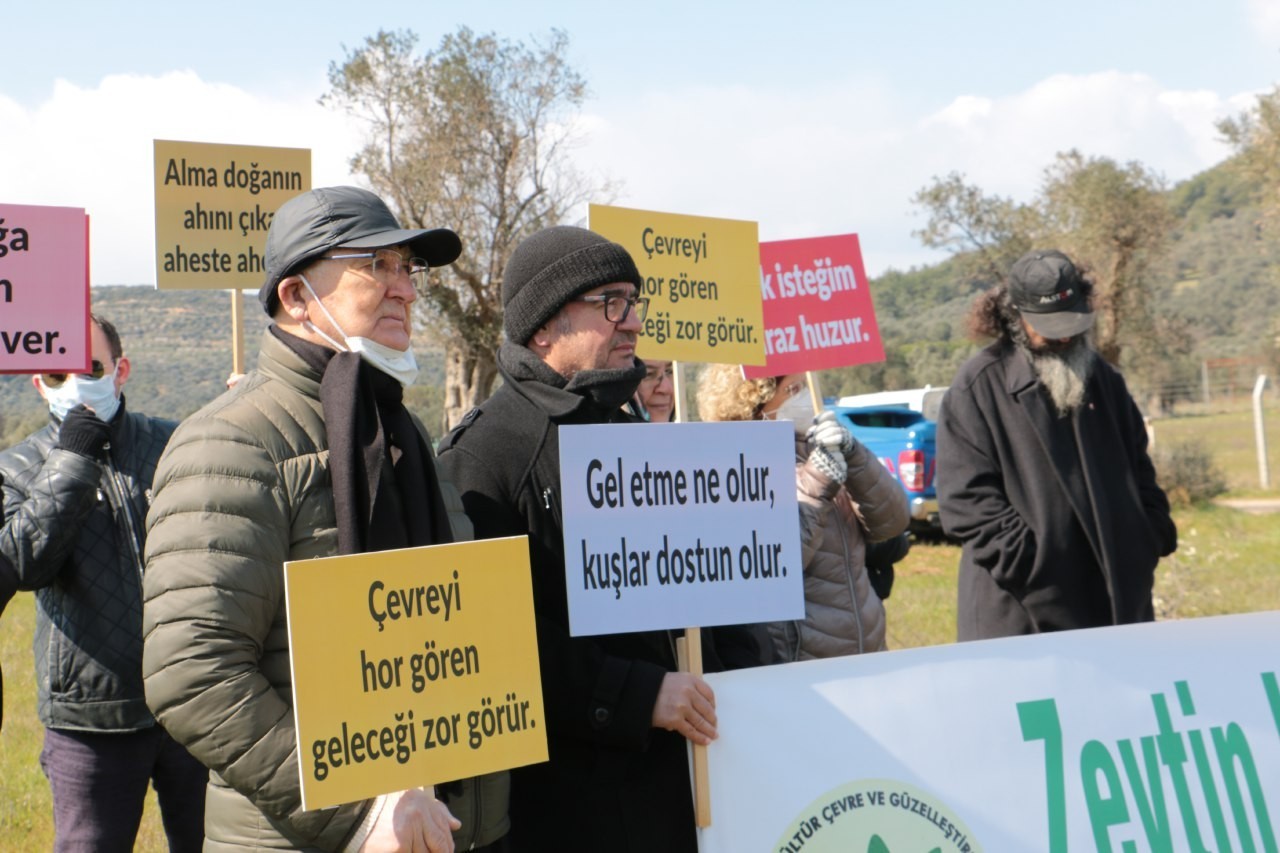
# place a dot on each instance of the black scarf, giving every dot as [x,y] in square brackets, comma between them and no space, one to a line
[371,434]
[605,390]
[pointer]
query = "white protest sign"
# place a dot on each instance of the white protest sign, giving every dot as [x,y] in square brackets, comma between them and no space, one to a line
[680,525]
[1153,737]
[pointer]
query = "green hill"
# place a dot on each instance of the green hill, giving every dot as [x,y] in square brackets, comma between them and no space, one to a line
[179,345]
[1218,287]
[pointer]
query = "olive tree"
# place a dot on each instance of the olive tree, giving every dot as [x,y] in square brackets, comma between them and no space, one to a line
[474,136]
[1255,135]
[1114,220]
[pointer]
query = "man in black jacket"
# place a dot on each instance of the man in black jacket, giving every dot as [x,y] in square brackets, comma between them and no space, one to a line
[1043,470]
[75,500]
[618,712]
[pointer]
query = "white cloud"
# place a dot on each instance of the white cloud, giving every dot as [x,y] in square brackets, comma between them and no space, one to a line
[835,157]
[92,148]
[841,158]
[1264,15]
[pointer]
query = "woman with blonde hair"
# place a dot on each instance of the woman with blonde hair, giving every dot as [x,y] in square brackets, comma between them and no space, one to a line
[847,500]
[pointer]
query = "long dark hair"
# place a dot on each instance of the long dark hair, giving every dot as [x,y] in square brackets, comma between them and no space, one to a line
[993,315]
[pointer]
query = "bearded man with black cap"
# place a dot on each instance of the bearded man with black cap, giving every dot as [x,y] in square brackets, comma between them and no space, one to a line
[312,454]
[618,712]
[1043,471]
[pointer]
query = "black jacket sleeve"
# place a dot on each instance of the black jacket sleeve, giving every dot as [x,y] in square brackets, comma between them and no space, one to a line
[43,511]
[972,502]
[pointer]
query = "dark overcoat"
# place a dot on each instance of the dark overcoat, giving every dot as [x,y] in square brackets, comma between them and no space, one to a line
[613,781]
[1061,518]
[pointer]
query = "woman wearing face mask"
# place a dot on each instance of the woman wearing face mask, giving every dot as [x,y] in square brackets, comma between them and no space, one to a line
[847,499]
[655,399]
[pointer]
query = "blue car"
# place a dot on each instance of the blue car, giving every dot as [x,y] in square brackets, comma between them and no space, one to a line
[900,427]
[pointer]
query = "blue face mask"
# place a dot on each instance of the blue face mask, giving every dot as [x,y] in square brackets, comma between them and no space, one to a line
[97,394]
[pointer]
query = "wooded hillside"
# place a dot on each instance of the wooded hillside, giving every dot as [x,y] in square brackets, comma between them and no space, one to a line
[1219,287]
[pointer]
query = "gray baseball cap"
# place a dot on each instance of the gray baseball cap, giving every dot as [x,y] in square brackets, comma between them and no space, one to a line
[308,225]
[1048,292]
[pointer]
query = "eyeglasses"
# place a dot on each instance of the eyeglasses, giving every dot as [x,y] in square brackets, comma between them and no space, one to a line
[97,370]
[388,264]
[617,306]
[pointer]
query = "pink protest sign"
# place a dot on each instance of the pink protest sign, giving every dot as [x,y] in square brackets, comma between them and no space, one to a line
[817,307]
[44,289]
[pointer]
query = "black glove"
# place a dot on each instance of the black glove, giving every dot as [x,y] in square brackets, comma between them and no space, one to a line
[881,578]
[85,433]
[880,559]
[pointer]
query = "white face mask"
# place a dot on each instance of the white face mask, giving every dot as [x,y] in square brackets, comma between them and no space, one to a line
[97,394]
[797,407]
[400,365]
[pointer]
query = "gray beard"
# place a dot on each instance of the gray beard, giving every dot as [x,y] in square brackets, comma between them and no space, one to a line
[1064,373]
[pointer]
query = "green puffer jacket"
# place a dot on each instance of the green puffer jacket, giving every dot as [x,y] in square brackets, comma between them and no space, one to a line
[242,488]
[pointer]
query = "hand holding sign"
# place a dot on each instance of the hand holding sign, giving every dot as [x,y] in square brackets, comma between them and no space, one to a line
[686,704]
[412,820]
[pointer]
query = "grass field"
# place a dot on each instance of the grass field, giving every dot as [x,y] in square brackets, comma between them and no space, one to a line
[1226,563]
[1230,438]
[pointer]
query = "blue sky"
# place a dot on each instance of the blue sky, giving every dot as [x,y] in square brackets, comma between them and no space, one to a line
[810,118]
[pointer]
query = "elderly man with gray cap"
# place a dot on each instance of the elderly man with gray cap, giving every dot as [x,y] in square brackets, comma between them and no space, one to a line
[1043,472]
[619,715]
[313,454]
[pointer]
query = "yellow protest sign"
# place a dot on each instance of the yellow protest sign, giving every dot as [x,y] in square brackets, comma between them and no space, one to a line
[214,204]
[413,667]
[702,277]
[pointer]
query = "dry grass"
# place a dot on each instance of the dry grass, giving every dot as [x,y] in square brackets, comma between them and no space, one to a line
[1231,439]
[26,809]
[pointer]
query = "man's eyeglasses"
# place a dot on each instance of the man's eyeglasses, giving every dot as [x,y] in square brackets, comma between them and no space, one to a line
[97,370]
[388,265]
[617,306]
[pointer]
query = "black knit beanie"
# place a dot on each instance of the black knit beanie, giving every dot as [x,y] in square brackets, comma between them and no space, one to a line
[553,266]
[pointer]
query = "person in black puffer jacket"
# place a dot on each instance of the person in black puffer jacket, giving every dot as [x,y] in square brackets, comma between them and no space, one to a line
[8,586]
[75,500]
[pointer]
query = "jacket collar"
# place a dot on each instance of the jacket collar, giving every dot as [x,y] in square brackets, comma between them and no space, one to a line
[1020,374]
[587,397]
[278,361]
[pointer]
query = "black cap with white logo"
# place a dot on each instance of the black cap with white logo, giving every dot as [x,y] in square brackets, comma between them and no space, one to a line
[1048,291]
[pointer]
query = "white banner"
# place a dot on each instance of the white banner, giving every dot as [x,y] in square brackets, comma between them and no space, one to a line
[680,525]
[1161,737]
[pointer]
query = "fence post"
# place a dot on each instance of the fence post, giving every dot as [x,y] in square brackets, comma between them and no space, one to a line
[1260,433]
[1204,381]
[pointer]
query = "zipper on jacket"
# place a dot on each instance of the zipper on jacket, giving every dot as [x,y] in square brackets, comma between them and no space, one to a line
[124,506]
[848,576]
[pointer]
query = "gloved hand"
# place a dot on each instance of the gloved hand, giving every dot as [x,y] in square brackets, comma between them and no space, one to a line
[828,432]
[830,462]
[84,433]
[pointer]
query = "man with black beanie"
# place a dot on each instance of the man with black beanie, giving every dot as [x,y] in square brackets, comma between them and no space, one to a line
[312,454]
[75,499]
[618,712]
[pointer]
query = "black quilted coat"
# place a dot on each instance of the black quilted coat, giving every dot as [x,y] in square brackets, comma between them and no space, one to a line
[73,531]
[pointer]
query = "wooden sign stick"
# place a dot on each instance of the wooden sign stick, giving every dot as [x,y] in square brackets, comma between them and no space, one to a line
[677,390]
[689,653]
[237,333]
[815,395]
